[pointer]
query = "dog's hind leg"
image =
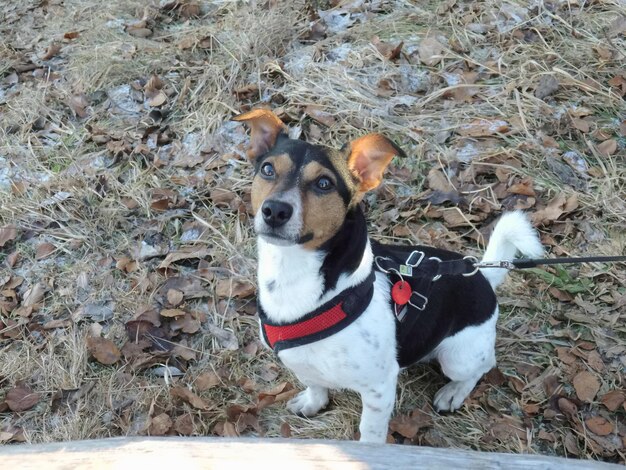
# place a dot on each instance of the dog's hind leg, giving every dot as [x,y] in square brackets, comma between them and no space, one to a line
[309,402]
[464,358]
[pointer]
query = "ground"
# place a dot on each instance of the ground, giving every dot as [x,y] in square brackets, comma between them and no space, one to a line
[127,273]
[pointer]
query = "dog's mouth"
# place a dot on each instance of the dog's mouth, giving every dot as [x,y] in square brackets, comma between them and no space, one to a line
[276,239]
[282,240]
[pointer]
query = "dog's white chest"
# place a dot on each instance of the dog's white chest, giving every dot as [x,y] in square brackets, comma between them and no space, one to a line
[355,356]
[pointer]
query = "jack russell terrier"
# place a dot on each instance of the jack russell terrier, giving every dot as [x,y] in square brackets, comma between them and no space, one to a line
[343,311]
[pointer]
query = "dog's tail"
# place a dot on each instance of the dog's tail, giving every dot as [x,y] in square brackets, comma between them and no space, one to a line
[513,233]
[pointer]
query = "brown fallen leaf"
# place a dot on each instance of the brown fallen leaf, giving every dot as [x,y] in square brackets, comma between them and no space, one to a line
[599,425]
[21,398]
[104,350]
[547,86]
[524,187]
[174,297]
[586,385]
[44,250]
[71,35]
[186,323]
[568,408]
[7,233]
[53,49]
[386,49]
[79,104]
[34,295]
[608,147]
[187,395]
[437,181]
[285,430]
[158,100]
[558,206]
[139,32]
[160,424]
[234,288]
[206,381]
[184,425]
[320,116]
[430,51]
[184,253]
[483,128]
[613,399]
[172,312]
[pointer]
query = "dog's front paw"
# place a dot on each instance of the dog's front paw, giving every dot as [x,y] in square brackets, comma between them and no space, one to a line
[451,396]
[308,402]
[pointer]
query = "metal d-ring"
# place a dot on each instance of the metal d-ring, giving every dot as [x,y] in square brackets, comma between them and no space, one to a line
[380,268]
[474,261]
[438,276]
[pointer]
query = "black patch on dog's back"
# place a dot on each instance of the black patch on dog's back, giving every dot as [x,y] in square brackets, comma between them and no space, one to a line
[454,303]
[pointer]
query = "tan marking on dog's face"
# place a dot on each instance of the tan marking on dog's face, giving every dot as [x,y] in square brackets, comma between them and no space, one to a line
[263,188]
[323,212]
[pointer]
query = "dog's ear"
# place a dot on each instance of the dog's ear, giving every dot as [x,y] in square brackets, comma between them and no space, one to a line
[368,156]
[264,129]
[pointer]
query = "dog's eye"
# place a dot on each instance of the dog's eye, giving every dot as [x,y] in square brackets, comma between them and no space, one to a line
[324,183]
[268,170]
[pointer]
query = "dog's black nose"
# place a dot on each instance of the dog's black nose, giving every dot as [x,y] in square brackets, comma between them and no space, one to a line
[276,213]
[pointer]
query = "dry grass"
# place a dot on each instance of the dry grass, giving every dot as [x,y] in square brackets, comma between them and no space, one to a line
[105,194]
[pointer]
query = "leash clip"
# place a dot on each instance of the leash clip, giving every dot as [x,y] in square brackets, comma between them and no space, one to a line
[491,264]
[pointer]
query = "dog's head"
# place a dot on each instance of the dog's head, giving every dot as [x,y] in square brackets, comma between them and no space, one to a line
[301,193]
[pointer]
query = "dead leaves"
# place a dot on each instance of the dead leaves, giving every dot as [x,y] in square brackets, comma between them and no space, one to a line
[548,85]
[188,396]
[409,425]
[586,385]
[103,350]
[613,399]
[559,205]
[483,128]
[21,398]
[7,234]
[430,51]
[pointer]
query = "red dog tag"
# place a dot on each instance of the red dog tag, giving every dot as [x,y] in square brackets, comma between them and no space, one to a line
[401,292]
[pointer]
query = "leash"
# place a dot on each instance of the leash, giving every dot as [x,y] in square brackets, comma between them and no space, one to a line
[524,263]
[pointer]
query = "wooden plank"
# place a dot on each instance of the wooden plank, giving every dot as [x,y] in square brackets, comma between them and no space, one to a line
[186,453]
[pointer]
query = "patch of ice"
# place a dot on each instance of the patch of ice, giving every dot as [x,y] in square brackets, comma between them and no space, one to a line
[192,142]
[117,23]
[191,235]
[339,53]
[577,162]
[467,153]
[56,198]
[452,79]
[122,99]
[297,61]
[336,21]
[414,80]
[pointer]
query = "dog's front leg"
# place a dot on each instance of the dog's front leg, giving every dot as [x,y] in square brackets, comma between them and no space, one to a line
[309,402]
[378,400]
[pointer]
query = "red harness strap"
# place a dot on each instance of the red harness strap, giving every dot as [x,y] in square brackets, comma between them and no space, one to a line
[324,321]
[312,326]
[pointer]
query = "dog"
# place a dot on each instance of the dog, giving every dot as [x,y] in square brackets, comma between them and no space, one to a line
[345,312]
